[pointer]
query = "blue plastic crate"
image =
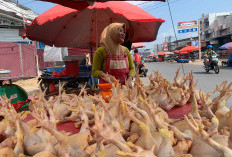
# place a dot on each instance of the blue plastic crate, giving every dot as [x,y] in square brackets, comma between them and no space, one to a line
[85,68]
[230,59]
[82,68]
[57,69]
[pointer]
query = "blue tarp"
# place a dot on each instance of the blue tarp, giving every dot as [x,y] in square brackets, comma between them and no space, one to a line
[230,59]
[182,60]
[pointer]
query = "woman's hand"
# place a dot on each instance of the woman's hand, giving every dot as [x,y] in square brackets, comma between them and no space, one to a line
[129,80]
[107,77]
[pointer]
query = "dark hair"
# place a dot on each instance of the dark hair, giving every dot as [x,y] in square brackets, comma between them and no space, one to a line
[136,51]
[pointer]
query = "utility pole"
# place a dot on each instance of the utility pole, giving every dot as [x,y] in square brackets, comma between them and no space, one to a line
[21,59]
[199,38]
[169,43]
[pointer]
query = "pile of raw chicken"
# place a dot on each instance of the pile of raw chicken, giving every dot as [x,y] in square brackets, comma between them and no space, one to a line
[133,124]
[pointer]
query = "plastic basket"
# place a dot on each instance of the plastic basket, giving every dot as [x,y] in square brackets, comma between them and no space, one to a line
[57,69]
[85,68]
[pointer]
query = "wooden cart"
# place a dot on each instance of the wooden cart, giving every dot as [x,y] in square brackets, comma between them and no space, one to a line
[71,82]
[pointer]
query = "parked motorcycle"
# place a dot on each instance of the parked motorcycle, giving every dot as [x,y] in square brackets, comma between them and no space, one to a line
[142,70]
[213,64]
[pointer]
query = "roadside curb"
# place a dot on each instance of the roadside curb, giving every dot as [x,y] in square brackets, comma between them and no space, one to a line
[197,62]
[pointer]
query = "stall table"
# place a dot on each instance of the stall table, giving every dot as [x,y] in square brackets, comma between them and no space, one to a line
[46,81]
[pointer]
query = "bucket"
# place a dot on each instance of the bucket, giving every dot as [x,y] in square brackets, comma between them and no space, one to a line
[106,95]
[4,73]
[106,91]
[72,67]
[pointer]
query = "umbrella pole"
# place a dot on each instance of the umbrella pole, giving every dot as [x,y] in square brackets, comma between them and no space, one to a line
[91,55]
[199,38]
[96,31]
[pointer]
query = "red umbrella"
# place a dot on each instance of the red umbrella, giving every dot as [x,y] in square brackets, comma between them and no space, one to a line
[65,27]
[178,52]
[79,4]
[160,53]
[152,55]
[137,45]
[189,48]
[168,53]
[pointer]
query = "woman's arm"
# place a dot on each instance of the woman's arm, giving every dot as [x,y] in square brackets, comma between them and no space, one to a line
[98,60]
[131,64]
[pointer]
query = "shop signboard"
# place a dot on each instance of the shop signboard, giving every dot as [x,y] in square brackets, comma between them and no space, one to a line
[166,46]
[187,27]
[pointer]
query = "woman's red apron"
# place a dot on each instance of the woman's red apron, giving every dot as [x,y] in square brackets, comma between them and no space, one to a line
[117,66]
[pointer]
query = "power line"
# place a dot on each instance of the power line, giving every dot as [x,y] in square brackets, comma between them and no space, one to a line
[158,5]
[174,31]
[143,3]
[172,20]
[5,5]
[161,5]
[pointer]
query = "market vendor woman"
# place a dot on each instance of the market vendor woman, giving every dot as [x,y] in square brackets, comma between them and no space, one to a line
[111,57]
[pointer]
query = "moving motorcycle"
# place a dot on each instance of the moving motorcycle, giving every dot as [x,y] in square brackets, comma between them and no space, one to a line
[142,70]
[213,64]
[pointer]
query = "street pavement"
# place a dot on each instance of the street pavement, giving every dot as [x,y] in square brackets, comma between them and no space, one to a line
[206,81]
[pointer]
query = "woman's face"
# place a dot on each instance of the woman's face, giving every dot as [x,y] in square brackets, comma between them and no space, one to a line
[121,35]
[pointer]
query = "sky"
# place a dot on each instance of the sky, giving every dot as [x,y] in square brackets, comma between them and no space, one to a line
[182,10]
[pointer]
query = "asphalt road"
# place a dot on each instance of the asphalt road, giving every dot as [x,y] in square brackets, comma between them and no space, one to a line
[206,81]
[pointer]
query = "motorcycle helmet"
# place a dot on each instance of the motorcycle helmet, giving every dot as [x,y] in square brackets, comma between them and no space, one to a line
[209,46]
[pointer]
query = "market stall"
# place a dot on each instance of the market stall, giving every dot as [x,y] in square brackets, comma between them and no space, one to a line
[85,30]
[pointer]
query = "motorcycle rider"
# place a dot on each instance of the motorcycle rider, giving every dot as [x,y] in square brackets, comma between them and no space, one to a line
[137,59]
[208,55]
